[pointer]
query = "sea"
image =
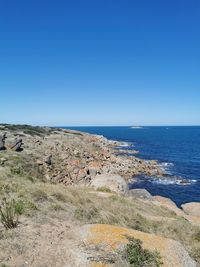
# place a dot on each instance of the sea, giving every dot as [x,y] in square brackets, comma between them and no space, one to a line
[177,149]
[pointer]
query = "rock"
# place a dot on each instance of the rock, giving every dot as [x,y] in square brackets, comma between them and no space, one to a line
[192,208]
[3,137]
[113,238]
[139,193]
[48,160]
[92,172]
[39,162]
[82,174]
[76,170]
[2,141]
[94,168]
[114,182]
[2,145]
[2,161]
[15,145]
[168,203]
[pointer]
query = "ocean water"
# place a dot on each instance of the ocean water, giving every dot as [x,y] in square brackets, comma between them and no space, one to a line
[177,149]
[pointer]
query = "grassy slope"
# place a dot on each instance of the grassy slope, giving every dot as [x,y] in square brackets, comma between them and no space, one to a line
[82,206]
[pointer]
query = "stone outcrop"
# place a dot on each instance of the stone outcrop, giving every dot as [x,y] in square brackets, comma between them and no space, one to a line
[192,208]
[189,211]
[113,182]
[2,141]
[72,157]
[112,238]
[17,145]
[139,193]
[169,204]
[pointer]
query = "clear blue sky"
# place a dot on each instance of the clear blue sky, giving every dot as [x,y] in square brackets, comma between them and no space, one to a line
[100,62]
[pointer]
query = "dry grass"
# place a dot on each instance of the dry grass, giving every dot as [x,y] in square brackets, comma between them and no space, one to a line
[38,197]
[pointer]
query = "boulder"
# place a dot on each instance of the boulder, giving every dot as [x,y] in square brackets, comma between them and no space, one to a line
[139,193]
[2,161]
[82,174]
[2,141]
[15,145]
[39,162]
[2,145]
[113,239]
[192,208]
[92,172]
[48,160]
[114,182]
[168,203]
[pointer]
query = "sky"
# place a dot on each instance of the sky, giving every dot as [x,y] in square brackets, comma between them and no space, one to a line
[100,62]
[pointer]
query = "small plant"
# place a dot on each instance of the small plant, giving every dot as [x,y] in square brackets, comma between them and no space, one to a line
[8,213]
[197,236]
[56,206]
[19,207]
[104,189]
[139,257]
[195,253]
[17,170]
[39,195]
[90,214]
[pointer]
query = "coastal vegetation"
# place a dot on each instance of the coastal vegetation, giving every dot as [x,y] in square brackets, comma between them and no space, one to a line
[29,200]
[139,257]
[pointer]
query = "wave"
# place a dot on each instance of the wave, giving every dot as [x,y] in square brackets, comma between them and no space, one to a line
[125,144]
[169,180]
[181,182]
[167,164]
[166,180]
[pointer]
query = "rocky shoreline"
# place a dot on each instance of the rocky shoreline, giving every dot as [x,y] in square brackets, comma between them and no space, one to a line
[72,157]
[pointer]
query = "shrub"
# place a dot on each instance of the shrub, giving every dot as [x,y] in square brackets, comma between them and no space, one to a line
[8,214]
[195,253]
[90,214]
[139,257]
[104,189]
[19,207]
[55,206]
[197,236]
[39,195]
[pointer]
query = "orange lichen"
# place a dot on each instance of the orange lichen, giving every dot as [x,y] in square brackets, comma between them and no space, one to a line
[113,237]
[99,264]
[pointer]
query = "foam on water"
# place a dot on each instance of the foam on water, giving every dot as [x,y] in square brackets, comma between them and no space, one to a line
[125,144]
[173,180]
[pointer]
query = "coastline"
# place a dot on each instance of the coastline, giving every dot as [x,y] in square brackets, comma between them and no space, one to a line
[71,188]
[79,156]
[102,156]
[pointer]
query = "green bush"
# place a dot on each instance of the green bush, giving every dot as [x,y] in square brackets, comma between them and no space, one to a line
[139,257]
[8,213]
[19,207]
